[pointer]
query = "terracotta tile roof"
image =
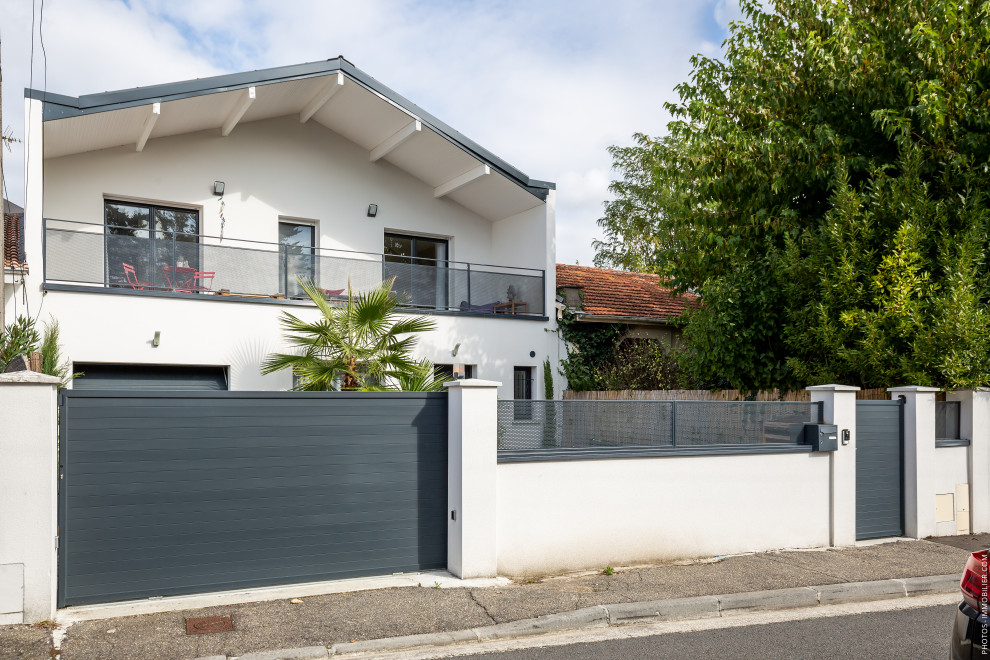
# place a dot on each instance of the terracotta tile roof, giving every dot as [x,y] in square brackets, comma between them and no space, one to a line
[622,293]
[13,241]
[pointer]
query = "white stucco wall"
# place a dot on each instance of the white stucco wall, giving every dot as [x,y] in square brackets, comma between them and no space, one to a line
[273,169]
[120,328]
[569,515]
[951,469]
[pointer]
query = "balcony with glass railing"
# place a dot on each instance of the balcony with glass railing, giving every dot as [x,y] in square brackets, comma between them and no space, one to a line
[121,258]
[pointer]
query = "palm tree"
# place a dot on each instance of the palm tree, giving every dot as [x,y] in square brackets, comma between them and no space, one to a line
[423,377]
[362,345]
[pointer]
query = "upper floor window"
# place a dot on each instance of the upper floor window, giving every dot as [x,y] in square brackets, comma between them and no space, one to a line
[419,266]
[157,246]
[297,256]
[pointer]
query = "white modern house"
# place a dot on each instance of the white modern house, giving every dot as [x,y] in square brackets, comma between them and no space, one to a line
[165,227]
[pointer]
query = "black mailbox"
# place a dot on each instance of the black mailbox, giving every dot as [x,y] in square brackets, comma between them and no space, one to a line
[821,437]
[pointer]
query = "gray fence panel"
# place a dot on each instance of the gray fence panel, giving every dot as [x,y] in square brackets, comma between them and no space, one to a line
[167,493]
[879,469]
[559,430]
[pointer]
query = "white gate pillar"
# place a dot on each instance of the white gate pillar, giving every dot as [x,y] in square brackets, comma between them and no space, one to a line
[919,458]
[28,497]
[472,458]
[839,408]
[974,425]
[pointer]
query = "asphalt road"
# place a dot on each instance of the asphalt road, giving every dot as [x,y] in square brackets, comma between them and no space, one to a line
[912,633]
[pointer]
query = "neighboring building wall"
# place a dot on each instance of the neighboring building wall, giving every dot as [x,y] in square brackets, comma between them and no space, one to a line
[273,169]
[665,333]
[565,515]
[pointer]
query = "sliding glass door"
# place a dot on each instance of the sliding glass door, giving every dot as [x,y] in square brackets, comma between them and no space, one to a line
[419,266]
[156,246]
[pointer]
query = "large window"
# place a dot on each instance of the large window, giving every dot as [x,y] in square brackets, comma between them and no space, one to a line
[419,266]
[297,258]
[158,244]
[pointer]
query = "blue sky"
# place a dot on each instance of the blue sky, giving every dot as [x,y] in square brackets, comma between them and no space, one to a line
[547,85]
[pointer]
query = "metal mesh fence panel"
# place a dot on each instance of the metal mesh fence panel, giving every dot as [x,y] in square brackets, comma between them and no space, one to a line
[742,422]
[528,425]
[74,256]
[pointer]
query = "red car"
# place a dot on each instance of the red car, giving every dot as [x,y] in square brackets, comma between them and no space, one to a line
[971,630]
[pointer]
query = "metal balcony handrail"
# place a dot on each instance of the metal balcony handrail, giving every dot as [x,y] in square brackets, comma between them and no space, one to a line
[379,256]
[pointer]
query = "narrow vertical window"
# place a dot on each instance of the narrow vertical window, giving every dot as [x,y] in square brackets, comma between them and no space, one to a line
[522,392]
[297,258]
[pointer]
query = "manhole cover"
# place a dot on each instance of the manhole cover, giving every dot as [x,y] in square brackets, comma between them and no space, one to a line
[209,624]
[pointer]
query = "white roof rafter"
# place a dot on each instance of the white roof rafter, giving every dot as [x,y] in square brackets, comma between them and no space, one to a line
[461,180]
[394,140]
[247,98]
[154,112]
[321,98]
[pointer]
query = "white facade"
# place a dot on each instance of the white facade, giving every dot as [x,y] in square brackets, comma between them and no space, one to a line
[276,167]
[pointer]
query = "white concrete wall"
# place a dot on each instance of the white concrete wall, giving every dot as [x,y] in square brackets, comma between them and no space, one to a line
[273,169]
[567,515]
[28,497]
[974,425]
[120,328]
[919,458]
[950,470]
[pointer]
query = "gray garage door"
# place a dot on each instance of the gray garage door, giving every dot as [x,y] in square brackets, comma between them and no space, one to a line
[96,376]
[168,493]
[879,469]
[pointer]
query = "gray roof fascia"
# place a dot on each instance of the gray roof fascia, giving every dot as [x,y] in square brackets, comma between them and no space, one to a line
[612,318]
[58,106]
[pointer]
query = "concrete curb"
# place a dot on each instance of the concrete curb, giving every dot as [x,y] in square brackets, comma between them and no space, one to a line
[675,609]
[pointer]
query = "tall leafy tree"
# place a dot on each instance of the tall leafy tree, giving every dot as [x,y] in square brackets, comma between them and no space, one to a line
[823,187]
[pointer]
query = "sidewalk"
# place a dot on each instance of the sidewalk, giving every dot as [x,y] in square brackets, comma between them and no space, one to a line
[370,615]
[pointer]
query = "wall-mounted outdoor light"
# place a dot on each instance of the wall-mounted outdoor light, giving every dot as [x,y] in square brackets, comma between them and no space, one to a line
[158,338]
[532,354]
[218,188]
[372,210]
[457,347]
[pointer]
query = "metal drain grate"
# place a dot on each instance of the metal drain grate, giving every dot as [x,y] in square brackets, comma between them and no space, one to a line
[209,624]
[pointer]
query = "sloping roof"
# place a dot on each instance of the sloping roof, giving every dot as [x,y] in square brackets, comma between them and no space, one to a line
[13,236]
[619,293]
[60,107]
[13,241]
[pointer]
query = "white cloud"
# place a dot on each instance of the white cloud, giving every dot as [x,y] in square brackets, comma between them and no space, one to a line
[728,10]
[547,86]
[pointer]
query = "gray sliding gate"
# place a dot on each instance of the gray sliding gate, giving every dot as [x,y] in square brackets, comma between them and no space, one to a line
[879,469]
[166,493]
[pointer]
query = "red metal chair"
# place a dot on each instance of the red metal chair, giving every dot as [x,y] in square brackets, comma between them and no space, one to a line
[133,280]
[202,276]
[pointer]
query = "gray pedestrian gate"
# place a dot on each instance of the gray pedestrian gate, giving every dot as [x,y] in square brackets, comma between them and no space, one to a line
[164,493]
[879,469]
